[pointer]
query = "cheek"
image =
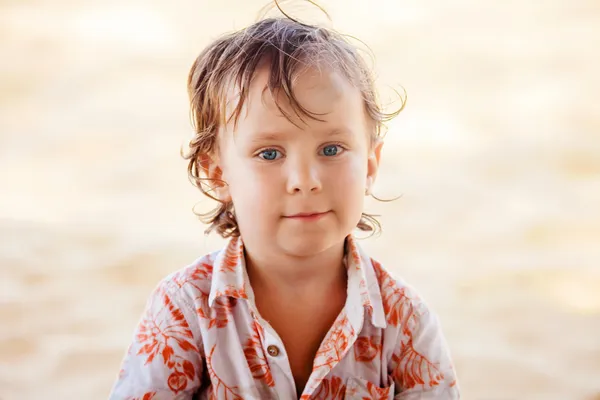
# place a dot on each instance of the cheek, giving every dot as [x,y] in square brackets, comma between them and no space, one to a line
[250,178]
[347,184]
[351,175]
[254,192]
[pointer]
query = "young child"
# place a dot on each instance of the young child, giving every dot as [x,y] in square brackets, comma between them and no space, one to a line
[288,141]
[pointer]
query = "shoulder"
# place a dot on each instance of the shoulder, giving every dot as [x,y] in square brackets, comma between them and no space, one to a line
[418,355]
[402,304]
[190,283]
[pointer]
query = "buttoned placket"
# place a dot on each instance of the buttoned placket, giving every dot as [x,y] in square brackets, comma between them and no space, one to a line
[274,350]
[355,313]
[279,363]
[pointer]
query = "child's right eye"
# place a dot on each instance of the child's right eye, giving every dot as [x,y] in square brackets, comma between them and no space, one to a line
[269,154]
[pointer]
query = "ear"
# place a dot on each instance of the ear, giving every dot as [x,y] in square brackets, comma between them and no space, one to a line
[373,164]
[211,168]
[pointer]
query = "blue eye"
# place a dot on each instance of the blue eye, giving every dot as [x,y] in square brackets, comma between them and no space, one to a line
[269,154]
[331,150]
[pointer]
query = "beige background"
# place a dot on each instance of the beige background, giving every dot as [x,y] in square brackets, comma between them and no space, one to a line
[497,157]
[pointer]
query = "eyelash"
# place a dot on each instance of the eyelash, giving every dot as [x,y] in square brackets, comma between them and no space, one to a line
[268,150]
[342,148]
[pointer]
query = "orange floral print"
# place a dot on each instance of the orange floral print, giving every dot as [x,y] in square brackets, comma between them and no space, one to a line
[197,278]
[377,393]
[145,396]
[414,369]
[398,311]
[367,348]
[232,291]
[355,254]
[156,338]
[256,359]
[222,310]
[398,307]
[177,381]
[218,386]
[328,389]
[233,253]
[363,389]
[201,273]
[200,321]
[335,344]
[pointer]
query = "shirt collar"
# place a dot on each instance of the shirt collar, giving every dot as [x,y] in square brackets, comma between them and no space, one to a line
[230,279]
[229,273]
[363,286]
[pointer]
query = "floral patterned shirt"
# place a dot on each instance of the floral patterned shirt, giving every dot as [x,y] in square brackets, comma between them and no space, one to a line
[201,337]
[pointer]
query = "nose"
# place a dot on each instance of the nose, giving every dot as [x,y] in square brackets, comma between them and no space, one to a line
[303,176]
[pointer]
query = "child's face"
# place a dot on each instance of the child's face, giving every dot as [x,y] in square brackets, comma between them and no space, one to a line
[278,172]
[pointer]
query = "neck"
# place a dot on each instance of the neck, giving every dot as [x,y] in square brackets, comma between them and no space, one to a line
[287,273]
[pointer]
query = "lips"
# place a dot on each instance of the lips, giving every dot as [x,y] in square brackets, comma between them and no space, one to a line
[307,215]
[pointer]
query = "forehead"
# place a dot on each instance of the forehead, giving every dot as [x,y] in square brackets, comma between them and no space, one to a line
[331,99]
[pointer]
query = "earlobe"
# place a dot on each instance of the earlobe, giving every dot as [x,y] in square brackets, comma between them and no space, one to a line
[368,186]
[377,150]
[373,165]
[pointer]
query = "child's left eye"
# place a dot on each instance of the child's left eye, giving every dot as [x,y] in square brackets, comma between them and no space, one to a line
[332,150]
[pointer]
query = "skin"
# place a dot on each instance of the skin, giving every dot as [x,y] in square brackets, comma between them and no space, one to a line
[298,192]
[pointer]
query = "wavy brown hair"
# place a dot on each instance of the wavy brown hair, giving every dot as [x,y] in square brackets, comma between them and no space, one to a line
[289,47]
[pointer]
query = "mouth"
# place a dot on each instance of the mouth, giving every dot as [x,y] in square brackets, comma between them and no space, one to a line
[309,216]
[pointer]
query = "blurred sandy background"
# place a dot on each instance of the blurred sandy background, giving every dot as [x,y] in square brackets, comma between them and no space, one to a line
[497,157]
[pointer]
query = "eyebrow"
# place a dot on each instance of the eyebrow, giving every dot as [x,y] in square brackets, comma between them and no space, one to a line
[273,136]
[340,132]
[266,136]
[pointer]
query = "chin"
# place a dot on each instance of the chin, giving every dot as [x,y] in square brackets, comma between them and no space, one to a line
[306,245]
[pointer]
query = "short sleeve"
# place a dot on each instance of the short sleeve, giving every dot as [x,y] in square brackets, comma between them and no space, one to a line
[164,360]
[421,366]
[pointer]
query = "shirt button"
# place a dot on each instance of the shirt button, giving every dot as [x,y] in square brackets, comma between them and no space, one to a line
[273,351]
